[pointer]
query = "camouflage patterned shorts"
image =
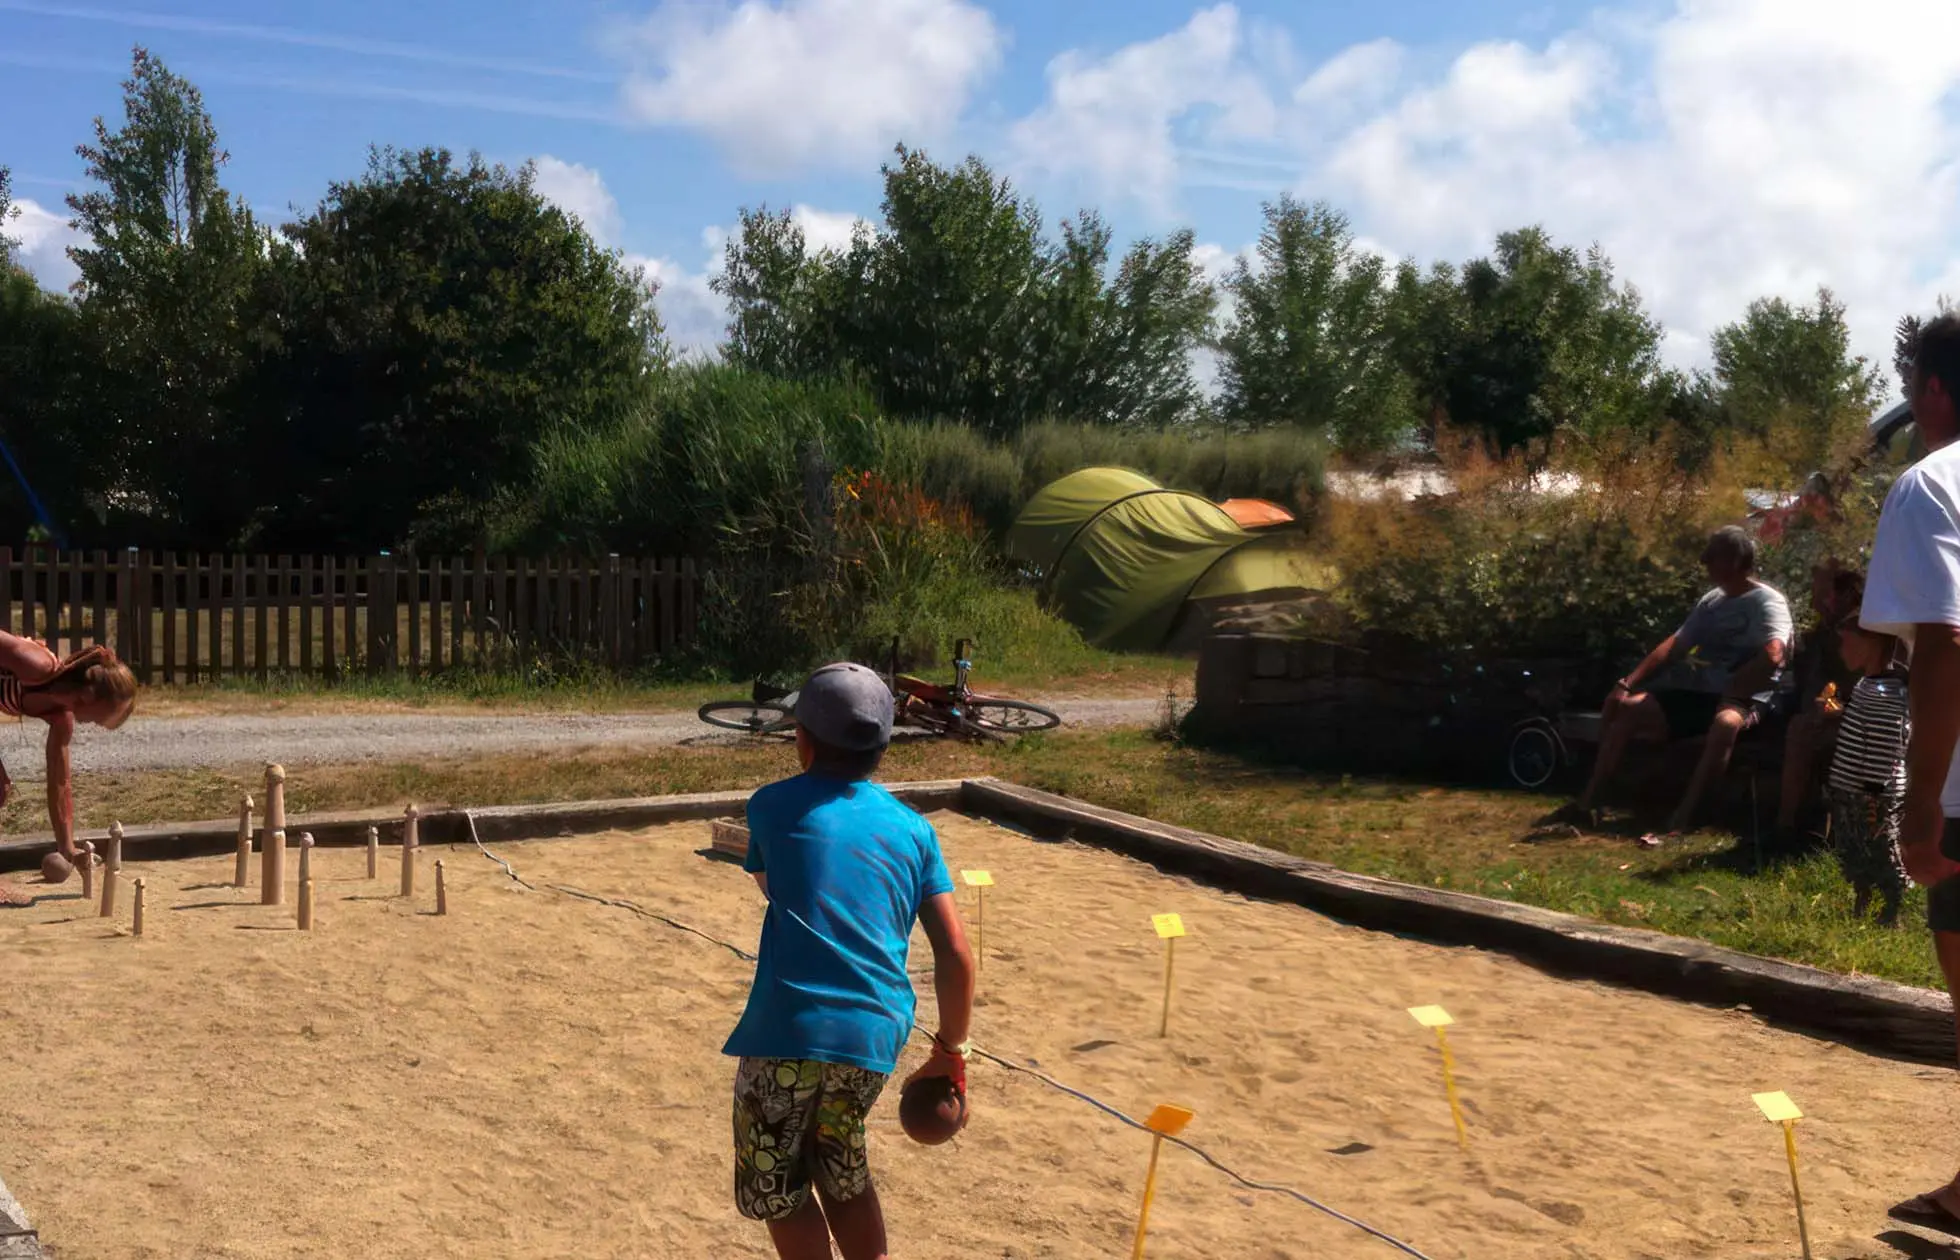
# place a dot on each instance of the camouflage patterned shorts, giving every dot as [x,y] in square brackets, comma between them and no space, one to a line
[799,1121]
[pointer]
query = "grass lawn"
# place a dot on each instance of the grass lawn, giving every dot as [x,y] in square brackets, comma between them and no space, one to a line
[1461,838]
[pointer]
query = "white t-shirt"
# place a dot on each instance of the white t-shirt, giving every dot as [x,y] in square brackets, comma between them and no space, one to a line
[1915,569]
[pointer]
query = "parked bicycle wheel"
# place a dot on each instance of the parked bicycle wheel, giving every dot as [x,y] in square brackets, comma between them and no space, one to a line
[751,717]
[1011,717]
[1536,754]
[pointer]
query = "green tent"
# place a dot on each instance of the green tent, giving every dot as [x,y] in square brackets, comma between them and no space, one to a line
[1120,556]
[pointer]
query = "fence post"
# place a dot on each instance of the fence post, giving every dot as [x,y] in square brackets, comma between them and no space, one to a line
[435,614]
[259,617]
[140,604]
[283,583]
[77,605]
[379,570]
[193,581]
[169,617]
[124,618]
[306,567]
[414,615]
[350,613]
[521,604]
[328,570]
[101,603]
[689,612]
[479,570]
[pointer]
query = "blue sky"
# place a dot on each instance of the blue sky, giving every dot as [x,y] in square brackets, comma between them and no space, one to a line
[1719,150]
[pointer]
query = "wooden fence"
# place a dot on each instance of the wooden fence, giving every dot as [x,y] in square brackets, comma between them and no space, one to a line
[196,618]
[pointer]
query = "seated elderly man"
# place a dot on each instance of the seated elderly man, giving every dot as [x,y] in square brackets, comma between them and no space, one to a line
[1703,677]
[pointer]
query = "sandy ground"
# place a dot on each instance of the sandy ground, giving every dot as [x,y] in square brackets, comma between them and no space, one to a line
[175,743]
[538,1076]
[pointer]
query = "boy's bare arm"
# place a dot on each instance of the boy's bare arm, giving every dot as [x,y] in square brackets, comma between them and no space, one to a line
[952,967]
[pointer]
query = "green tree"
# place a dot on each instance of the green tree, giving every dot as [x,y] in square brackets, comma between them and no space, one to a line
[168,264]
[958,308]
[782,300]
[8,213]
[437,320]
[1785,376]
[1534,340]
[1310,342]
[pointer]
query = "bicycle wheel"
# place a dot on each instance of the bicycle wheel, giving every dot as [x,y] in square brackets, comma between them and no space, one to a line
[751,717]
[1536,755]
[1012,717]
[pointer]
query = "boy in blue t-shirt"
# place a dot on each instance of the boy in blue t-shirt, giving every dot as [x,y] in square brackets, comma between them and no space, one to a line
[847,870]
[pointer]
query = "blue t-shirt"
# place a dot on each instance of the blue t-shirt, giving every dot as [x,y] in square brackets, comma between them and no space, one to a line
[849,866]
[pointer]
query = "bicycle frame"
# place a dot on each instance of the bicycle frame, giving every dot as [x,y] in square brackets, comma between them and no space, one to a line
[915,694]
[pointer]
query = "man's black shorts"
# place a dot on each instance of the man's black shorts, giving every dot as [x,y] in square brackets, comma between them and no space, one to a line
[1689,713]
[1943,898]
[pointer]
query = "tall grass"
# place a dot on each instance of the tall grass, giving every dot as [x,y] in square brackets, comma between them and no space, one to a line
[994,480]
[707,445]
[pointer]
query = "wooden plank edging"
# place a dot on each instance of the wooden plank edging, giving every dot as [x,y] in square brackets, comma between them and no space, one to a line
[1876,1015]
[444,824]
[17,1239]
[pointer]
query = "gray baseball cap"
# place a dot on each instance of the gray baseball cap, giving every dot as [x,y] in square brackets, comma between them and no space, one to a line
[847,707]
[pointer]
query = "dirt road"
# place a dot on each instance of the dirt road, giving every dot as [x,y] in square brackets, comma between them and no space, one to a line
[298,739]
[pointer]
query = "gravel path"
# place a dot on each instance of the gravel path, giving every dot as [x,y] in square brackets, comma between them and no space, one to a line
[189,742]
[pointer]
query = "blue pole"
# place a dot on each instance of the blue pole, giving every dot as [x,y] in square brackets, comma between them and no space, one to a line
[33,500]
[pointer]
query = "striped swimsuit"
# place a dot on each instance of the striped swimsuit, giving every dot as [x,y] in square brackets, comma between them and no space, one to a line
[1867,784]
[9,694]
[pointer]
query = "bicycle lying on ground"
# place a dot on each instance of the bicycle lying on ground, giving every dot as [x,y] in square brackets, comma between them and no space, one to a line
[768,710]
[957,709]
[942,708]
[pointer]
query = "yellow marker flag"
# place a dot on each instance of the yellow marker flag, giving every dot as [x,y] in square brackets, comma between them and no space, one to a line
[1777,1108]
[1169,927]
[979,882]
[1165,1121]
[1438,1019]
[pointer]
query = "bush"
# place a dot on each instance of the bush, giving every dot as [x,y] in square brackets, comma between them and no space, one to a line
[1501,569]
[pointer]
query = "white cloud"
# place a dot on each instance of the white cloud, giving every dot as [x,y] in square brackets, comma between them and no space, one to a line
[580,192]
[1116,121]
[799,83]
[1719,150]
[1364,73]
[1732,149]
[44,237]
[694,316]
[825,229]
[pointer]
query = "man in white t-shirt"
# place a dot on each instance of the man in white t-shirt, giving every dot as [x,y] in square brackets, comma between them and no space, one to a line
[1913,591]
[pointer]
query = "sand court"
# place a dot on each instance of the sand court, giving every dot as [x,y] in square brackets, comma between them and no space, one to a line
[538,1075]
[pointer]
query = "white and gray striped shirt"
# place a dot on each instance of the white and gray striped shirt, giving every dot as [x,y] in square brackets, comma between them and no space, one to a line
[1871,743]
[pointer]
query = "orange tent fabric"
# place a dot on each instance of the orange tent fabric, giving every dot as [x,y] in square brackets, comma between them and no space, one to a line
[1256,513]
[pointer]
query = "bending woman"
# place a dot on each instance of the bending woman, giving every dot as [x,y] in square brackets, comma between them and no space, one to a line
[90,686]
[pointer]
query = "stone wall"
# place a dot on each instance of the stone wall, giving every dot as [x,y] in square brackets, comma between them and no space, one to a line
[1386,710]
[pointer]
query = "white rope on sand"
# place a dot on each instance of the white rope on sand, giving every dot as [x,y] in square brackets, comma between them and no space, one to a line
[996,1060]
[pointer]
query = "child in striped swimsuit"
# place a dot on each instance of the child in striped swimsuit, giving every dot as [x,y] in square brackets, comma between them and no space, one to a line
[1867,783]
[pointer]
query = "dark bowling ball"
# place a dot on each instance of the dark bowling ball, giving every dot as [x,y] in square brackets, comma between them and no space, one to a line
[931,1111]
